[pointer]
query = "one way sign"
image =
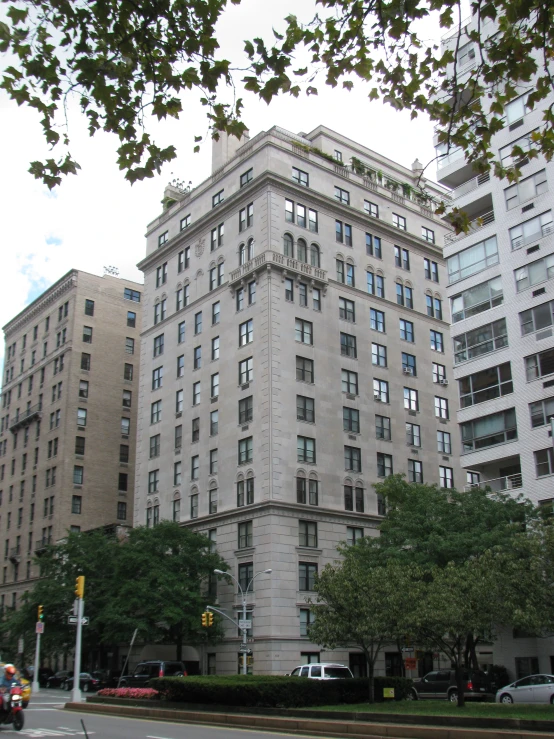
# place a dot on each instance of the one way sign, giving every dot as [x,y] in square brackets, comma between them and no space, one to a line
[74,619]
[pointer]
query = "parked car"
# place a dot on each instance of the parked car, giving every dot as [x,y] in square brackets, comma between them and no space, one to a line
[441,684]
[145,671]
[87,682]
[57,680]
[530,689]
[322,671]
[43,674]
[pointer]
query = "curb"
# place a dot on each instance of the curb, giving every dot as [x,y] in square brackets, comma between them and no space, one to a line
[317,727]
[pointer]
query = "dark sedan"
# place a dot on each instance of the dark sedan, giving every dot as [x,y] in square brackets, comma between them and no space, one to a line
[87,682]
[58,680]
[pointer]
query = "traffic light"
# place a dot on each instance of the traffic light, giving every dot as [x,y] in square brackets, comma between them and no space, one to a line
[210,619]
[40,613]
[80,586]
[205,619]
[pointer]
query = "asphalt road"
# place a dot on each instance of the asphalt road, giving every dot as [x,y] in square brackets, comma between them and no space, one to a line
[45,717]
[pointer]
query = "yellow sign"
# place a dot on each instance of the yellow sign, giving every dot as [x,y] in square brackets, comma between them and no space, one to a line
[388,692]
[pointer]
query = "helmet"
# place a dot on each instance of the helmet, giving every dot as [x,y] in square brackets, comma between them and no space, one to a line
[10,670]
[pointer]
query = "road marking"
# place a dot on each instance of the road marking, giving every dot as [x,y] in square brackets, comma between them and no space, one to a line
[157,737]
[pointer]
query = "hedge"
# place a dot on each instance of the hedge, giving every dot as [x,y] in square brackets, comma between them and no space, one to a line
[272,691]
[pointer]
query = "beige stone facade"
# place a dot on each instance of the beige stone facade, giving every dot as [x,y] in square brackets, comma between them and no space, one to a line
[295,350]
[68,418]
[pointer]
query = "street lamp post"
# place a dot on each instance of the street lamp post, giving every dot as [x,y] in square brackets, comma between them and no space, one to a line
[244,594]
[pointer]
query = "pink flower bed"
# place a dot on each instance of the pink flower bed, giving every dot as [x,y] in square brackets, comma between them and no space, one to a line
[144,693]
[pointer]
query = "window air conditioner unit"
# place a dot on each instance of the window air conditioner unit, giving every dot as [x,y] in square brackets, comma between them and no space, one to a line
[214,399]
[245,386]
[442,381]
[408,371]
[350,396]
[377,398]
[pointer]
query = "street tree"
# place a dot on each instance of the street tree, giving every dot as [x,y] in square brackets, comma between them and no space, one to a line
[362,603]
[123,60]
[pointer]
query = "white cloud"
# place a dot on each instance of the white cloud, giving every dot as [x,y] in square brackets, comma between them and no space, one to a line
[96,218]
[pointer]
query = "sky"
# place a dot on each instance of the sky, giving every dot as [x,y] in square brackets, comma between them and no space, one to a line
[96,219]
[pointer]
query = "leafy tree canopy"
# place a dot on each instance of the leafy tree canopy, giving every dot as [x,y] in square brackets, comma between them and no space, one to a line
[124,59]
[153,581]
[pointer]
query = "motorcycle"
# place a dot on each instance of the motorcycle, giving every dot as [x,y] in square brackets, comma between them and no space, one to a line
[14,713]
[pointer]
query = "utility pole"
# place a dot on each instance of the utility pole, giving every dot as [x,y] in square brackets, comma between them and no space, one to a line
[79,593]
[39,630]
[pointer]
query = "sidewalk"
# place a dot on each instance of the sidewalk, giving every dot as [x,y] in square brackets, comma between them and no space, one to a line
[315,727]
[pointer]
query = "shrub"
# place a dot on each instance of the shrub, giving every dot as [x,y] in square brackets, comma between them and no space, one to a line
[272,692]
[143,693]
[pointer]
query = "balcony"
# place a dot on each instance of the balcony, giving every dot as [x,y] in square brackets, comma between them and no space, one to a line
[280,261]
[25,418]
[483,220]
[470,185]
[15,555]
[41,544]
[499,484]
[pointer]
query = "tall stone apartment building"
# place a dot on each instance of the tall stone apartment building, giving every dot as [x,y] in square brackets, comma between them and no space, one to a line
[499,283]
[68,419]
[295,350]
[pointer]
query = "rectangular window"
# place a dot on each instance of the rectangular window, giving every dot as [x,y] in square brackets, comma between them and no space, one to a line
[83,388]
[446,477]
[399,221]
[531,230]
[76,503]
[245,450]
[306,491]
[377,320]
[246,332]
[194,506]
[373,246]
[194,467]
[307,534]
[195,429]
[539,365]
[347,310]
[307,573]
[352,459]
[305,409]
[197,357]
[129,294]
[428,235]
[81,416]
[125,426]
[129,345]
[534,273]
[303,331]
[123,481]
[380,391]
[289,213]
[218,198]
[213,461]
[185,222]
[348,345]
[349,382]
[128,372]
[304,370]
[490,383]
[372,209]
[305,450]
[401,258]
[155,446]
[544,462]
[431,270]
[541,412]
[85,361]
[89,311]
[382,428]
[536,318]
[343,196]
[351,420]
[302,294]
[482,340]
[375,284]
[245,534]
[300,177]
[409,364]
[80,445]
[157,378]
[406,330]
[246,410]
[198,323]
[217,236]
[181,365]
[216,309]
[307,618]
[413,434]
[488,431]
[87,334]
[441,407]
[444,442]
[246,177]
[215,348]
[196,390]
[411,399]
[472,260]
[384,465]
[245,492]
[153,481]
[158,346]
[379,355]
[246,371]
[526,189]
[436,341]
[214,385]
[127,399]
[156,411]
[415,471]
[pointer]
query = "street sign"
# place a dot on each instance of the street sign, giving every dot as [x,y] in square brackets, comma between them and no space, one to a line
[388,692]
[244,650]
[20,646]
[39,629]
[409,650]
[244,624]
[74,619]
[410,663]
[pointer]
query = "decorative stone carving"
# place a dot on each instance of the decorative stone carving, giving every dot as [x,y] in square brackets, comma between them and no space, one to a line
[199,248]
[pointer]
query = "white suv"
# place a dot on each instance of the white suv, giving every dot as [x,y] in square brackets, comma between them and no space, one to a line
[322,671]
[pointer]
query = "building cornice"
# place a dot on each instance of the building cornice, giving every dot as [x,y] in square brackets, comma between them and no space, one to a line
[50,296]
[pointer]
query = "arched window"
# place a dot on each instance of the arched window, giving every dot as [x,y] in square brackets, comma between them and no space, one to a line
[314,255]
[302,250]
[288,246]
[250,250]
[242,254]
